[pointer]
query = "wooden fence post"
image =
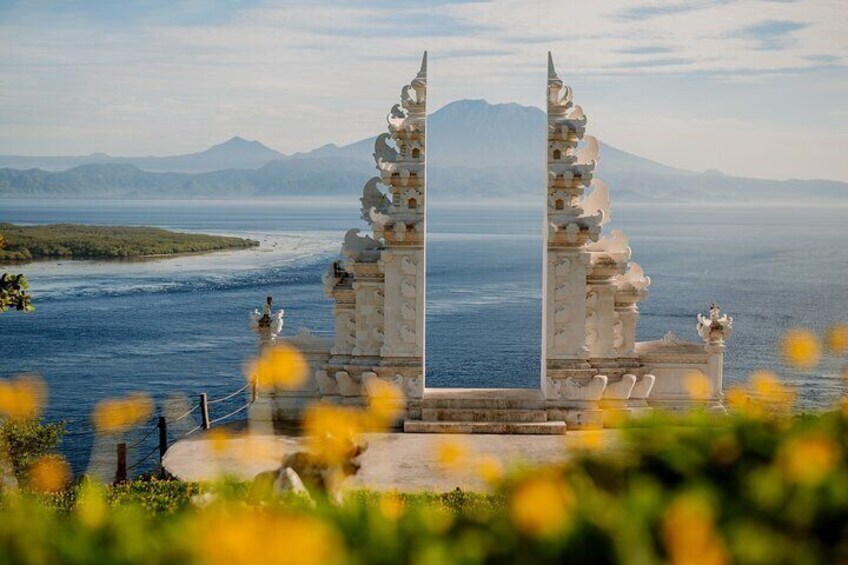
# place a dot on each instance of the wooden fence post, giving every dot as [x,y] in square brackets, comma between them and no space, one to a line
[121,474]
[163,438]
[204,411]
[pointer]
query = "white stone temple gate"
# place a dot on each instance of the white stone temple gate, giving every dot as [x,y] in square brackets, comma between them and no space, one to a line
[592,365]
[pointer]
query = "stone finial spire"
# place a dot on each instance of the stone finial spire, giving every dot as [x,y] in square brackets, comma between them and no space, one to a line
[422,72]
[552,74]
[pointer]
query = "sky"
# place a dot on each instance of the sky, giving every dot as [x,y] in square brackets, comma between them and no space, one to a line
[748,87]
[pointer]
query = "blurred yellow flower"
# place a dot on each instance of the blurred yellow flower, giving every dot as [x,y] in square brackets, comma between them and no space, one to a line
[490,469]
[767,387]
[808,459]
[391,506]
[22,398]
[281,366]
[454,454]
[541,506]
[249,537]
[385,403]
[91,506]
[436,519]
[837,339]
[49,473]
[688,533]
[737,399]
[218,439]
[120,414]
[331,432]
[800,349]
[586,440]
[698,385]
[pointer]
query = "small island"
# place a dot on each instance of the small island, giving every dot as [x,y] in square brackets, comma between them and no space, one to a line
[75,241]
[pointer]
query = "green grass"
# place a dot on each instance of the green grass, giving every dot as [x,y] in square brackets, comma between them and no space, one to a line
[74,241]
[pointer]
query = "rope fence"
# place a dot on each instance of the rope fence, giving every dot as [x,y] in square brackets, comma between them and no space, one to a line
[161,424]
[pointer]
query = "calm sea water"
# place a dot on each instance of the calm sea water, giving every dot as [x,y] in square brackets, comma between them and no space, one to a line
[178,326]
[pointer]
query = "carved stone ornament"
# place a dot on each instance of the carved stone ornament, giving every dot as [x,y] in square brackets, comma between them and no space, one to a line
[348,386]
[355,245]
[572,389]
[717,327]
[621,389]
[326,384]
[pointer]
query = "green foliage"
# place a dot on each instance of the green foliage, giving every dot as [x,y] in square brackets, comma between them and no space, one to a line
[72,241]
[27,440]
[13,292]
[700,489]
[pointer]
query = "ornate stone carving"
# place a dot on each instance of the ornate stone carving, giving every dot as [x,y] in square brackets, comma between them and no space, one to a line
[374,202]
[642,388]
[355,245]
[620,389]
[717,327]
[326,384]
[348,385]
[573,389]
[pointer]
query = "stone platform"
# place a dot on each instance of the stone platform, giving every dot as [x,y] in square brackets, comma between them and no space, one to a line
[393,461]
[483,411]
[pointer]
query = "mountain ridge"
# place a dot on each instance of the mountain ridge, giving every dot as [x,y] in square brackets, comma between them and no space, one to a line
[475,149]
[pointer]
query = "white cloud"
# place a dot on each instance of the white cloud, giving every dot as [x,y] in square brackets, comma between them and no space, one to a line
[300,74]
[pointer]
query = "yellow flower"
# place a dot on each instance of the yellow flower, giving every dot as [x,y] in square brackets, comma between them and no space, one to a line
[800,349]
[22,398]
[391,506]
[248,537]
[808,459]
[120,414]
[737,398]
[218,439]
[688,533]
[698,386]
[768,388]
[49,473]
[453,454]
[385,403]
[541,506]
[281,366]
[586,440]
[837,339]
[91,508]
[331,432]
[490,469]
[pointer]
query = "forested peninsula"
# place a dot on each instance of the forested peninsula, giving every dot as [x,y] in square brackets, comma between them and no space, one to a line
[74,241]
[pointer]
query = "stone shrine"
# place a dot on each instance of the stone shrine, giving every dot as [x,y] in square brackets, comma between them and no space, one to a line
[593,369]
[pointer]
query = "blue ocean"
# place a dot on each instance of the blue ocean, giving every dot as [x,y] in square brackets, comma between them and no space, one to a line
[177,327]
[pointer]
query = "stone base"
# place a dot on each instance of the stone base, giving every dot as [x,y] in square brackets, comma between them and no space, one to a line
[534,428]
[578,419]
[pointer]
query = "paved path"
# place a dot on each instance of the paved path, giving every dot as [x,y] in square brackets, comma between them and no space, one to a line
[393,461]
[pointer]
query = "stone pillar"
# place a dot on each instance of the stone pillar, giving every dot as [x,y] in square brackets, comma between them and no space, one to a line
[369,289]
[566,305]
[714,330]
[603,346]
[625,329]
[404,303]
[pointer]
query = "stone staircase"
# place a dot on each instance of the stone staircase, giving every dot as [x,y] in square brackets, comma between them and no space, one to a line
[483,411]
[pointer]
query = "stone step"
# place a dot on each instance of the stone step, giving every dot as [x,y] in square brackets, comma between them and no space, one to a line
[530,428]
[483,399]
[482,415]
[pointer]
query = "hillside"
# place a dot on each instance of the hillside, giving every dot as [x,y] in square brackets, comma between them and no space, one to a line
[72,241]
[475,149]
[236,153]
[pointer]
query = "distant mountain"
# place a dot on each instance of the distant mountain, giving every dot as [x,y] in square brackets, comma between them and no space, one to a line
[474,149]
[236,153]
